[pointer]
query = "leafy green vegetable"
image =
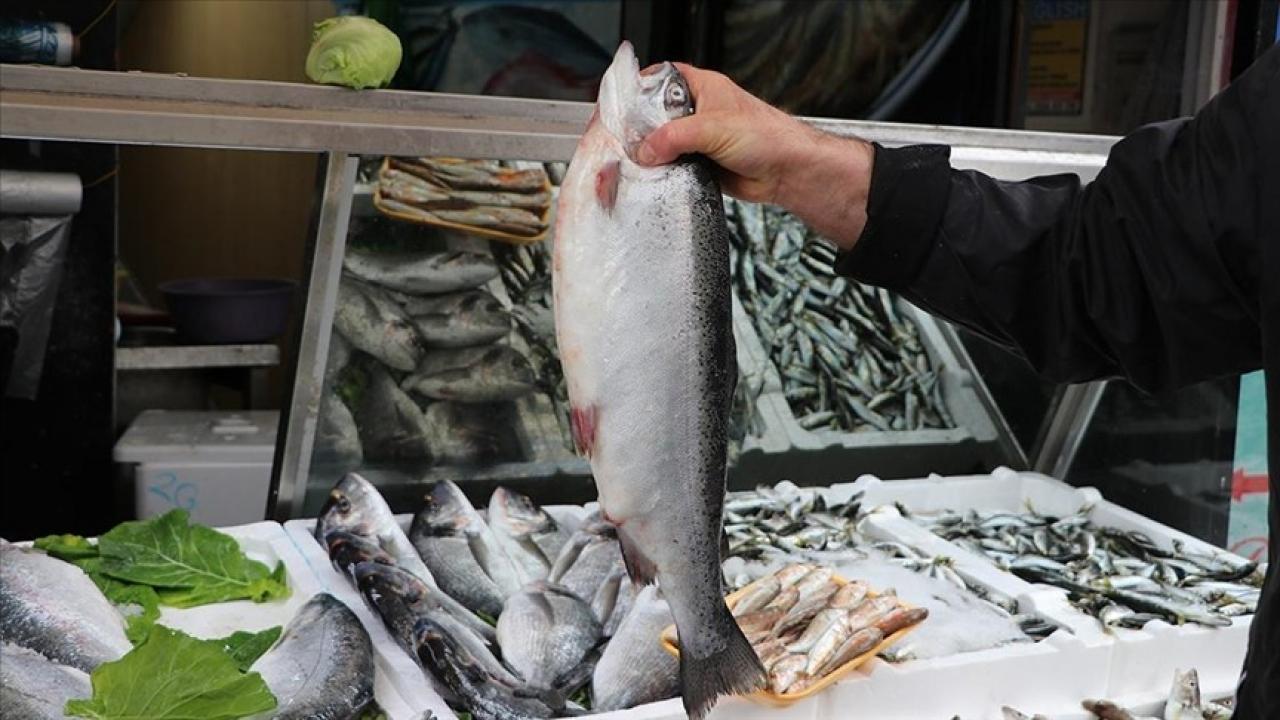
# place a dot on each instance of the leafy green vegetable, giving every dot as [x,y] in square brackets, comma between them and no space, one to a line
[188,565]
[246,647]
[353,51]
[373,712]
[486,617]
[173,676]
[67,547]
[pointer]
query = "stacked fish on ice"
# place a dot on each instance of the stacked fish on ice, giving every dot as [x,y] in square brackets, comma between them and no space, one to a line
[417,347]
[565,615]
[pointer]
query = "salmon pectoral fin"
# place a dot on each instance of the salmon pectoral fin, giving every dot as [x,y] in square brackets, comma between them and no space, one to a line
[582,423]
[640,568]
[734,669]
[607,184]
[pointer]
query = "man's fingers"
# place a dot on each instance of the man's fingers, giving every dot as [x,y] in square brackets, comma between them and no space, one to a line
[673,139]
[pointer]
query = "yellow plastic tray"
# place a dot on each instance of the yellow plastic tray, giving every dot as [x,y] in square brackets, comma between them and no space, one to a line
[458,227]
[671,645]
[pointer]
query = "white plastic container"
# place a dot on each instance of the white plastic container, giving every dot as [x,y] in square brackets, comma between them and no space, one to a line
[214,464]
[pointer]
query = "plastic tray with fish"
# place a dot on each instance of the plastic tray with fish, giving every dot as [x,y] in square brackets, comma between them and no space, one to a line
[268,543]
[1142,661]
[672,645]
[786,450]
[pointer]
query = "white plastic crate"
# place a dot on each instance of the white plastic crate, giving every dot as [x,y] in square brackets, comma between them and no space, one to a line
[1142,662]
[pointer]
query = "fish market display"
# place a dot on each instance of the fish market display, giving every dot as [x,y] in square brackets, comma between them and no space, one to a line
[53,608]
[847,358]
[33,687]
[356,508]
[642,302]
[479,194]
[322,666]
[415,335]
[546,642]
[804,624]
[634,669]
[1122,578]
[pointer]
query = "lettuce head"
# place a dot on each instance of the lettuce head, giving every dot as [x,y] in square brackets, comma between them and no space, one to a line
[353,51]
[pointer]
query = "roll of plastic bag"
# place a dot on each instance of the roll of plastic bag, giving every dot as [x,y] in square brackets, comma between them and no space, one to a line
[25,192]
[32,250]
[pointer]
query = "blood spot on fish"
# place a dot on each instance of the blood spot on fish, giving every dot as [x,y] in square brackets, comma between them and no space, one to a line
[582,422]
[607,185]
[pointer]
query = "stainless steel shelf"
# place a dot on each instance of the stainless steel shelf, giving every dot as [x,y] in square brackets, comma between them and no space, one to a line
[156,109]
[183,357]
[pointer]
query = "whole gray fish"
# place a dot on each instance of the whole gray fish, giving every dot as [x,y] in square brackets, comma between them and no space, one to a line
[634,668]
[456,545]
[473,375]
[392,426]
[53,608]
[469,672]
[355,506]
[462,319]
[337,436]
[322,667]
[531,537]
[460,434]
[643,320]
[374,323]
[474,174]
[587,562]
[402,601]
[33,687]
[347,550]
[545,632]
[411,189]
[421,272]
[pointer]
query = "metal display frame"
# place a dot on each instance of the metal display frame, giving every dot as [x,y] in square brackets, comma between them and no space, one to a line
[68,104]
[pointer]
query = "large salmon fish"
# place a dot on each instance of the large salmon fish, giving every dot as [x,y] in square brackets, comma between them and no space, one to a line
[641,283]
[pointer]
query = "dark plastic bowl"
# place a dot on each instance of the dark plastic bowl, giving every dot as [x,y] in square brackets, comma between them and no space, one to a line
[218,311]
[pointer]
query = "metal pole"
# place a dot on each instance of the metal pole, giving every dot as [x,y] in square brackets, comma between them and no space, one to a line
[293,459]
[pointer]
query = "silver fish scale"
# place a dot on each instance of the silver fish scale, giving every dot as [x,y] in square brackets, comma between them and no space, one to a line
[1122,578]
[849,338]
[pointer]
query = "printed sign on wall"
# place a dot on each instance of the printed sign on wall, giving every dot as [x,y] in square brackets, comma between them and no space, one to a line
[1247,525]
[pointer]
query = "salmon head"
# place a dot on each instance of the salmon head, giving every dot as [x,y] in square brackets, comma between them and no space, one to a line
[632,104]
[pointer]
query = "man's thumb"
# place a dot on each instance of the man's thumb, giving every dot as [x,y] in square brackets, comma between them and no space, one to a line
[670,141]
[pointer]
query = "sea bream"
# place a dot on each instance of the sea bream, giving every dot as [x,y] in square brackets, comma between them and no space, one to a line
[642,302]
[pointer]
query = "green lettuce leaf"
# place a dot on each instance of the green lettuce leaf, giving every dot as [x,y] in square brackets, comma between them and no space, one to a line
[353,51]
[244,648]
[173,676]
[67,547]
[188,565]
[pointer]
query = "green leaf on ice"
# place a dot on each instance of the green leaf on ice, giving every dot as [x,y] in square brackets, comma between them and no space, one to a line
[244,648]
[139,604]
[173,676]
[188,564]
[67,547]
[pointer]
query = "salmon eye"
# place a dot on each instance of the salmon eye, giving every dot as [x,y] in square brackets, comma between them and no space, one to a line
[676,96]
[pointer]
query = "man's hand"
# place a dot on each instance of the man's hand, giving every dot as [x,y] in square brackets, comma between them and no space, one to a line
[768,156]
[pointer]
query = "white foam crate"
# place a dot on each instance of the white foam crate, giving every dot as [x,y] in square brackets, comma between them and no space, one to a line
[268,543]
[1142,662]
[405,674]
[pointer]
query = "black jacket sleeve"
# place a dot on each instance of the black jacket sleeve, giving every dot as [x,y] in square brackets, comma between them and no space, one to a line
[1152,272]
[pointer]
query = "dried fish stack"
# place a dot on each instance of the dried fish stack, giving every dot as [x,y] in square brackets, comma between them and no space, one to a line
[848,360]
[1122,578]
[483,195]
[804,624]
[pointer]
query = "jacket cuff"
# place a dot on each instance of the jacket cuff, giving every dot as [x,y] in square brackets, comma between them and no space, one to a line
[909,190]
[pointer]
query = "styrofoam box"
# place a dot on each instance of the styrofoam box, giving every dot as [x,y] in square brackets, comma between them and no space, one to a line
[404,673]
[1142,662]
[267,543]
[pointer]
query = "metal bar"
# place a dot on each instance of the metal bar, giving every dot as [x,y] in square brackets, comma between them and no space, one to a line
[196,356]
[1068,422]
[293,459]
[155,109]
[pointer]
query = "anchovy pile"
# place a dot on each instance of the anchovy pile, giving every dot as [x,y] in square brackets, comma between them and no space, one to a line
[1122,578]
[804,625]
[784,519]
[847,359]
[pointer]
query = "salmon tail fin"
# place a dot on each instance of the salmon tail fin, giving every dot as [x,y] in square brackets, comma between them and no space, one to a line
[733,670]
[640,568]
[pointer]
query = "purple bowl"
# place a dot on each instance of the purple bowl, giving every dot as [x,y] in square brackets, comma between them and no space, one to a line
[219,311]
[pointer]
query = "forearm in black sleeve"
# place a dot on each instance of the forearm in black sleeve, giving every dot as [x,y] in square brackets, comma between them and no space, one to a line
[1151,272]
